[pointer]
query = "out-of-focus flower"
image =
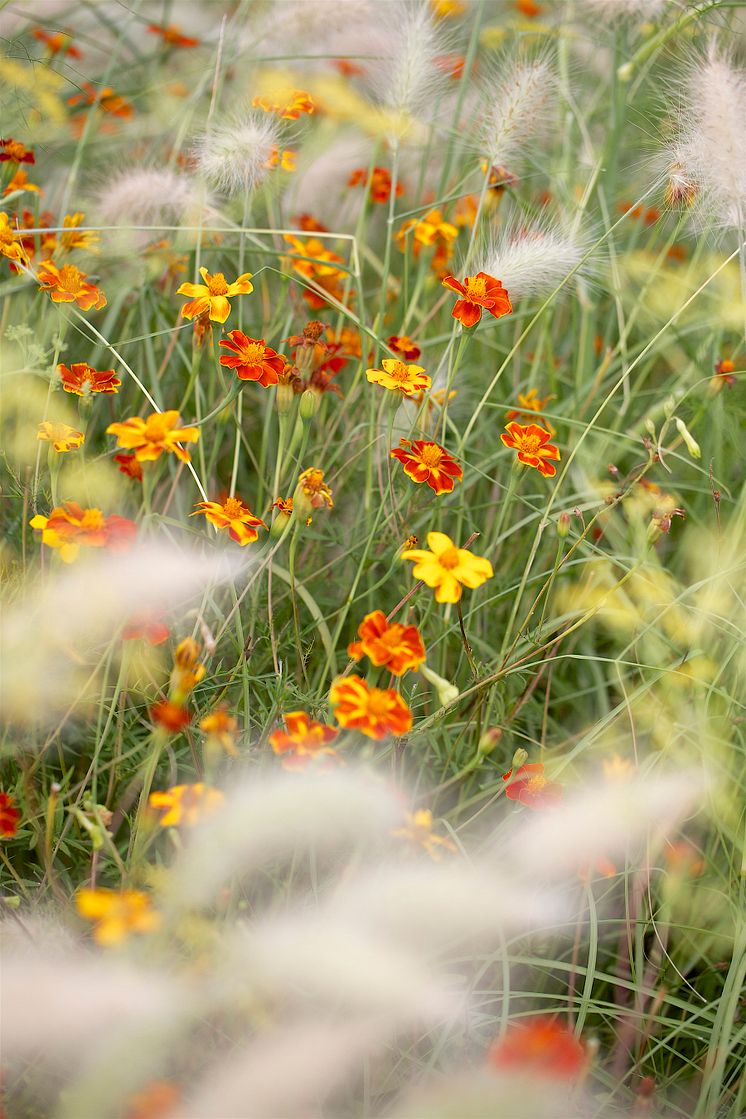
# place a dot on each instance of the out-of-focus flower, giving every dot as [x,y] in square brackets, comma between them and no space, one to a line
[312,492]
[105,98]
[69,528]
[303,740]
[172,35]
[150,438]
[404,347]
[61,436]
[186,804]
[724,371]
[451,64]
[186,672]
[213,296]
[148,626]
[528,8]
[683,859]
[375,712]
[378,183]
[14,151]
[321,270]
[116,915]
[57,42]
[397,647]
[69,285]
[448,9]
[221,730]
[9,816]
[309,224]
[465,211]
[478,293]
[156,1100]
[533,447]
[80,379]
[232,515]
[430,463]
[431,229]
[290,109]
[539,1046]
[529,402]
[74,238]
[531,787]
[170,716]
[418,831]
[399,376]
[284,507]
[446,567]
[11,242]
[251,358]
[130,465]
[285,159]
[617,768]
[20,181]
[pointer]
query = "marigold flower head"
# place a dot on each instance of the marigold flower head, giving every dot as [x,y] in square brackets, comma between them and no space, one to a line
[130,465]
[69,285]
[724,374]
[105,98]
[13,151]
[251,358]
[529,402]
[397,647]
[147,625]
[172,36]
[74,238]
[156,1100]
[404,347]
[375,712]
[430,463]
[221,729]
[684,859]
[302,741]
[150,438]
[170,716]
[291,109]
[115,915]
[312,492]
[478,293]
[321,270]
[531,787]
[57,42]
[232,515]
[70,527]
[285,159]
[399,376]
[11,242]
[61,436]
[539,1046]
[187,671]
[423,232]
[348,340]
[186,804]
[20,181]
[213,296]
[9,816]
[418,831]
[309,224]
[378,182]
[446,567]
[82,380]
[533,447]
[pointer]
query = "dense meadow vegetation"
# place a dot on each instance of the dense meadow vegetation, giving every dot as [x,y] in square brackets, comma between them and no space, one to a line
[373,559]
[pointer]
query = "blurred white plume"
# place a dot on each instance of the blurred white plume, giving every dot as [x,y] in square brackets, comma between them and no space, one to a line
[519,98]
[234,157]
[532,257]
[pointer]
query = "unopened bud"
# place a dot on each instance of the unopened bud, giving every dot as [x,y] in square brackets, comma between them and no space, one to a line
[650,427]
[489,740]
[669,407]
[520,757]
[309,404]
[446,691]
[284,398]
[692,445]
[563,525]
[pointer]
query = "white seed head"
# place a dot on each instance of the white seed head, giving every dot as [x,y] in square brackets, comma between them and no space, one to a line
[532,258]
[519,97]
[233,158]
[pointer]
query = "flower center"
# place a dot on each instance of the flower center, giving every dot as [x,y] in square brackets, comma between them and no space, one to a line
[476,288]
[69,279]
[529,444]
[536,784]
[93,519]
[378,704]
[449,558]
[216,285]
[400,372]
[431,455]
[253,353]
[233,507]
[155,429]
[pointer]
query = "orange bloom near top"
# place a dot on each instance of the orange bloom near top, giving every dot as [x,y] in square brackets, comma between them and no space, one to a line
[478,293]
[375,712]
[233,515]
[172,35]
[430,463]
[399,376]
[397,647]
[251,359]
[81,379]
[150,438]
[303,740]
[68,285]
[298,102]
[533,447]
[14,151]
[213,296]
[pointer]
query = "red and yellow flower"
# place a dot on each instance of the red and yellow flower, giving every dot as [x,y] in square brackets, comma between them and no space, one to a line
[251,358]
[172,35]
[375,712]
[378,182]
[106,99]
[186,672]
[539,1046]
[232,515]
[129,465]
[186,804]
[530,786]
[150,438]
[285,159]
[11,241]
[320,270]
[478,293]
[13,151]
[303,740]
[418,831]
[57,42]
[61,436]
[399,376]
[82,380]
[115,915]
[221,731]
[430,463]
[212,298]
[69,528]
[404,347]
[170,716]
[397,647]
[9,816]
[20,181]
[69,285]
[289,109]
[446,567]
[72,237]
[149,626]
[532,443]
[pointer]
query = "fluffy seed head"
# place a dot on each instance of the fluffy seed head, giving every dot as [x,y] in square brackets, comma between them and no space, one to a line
[233,158]
[146,196]
[532,258]
[406,76]
[518,96]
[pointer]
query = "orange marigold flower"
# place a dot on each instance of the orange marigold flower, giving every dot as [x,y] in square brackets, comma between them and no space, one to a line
[82,380]
[303,740]
[147,625]
[115,915]
[57,42]
[106,99]
[431,229]
[539,1046]
[285,159]
[221,729]
[404,347]
[465,211]
[251,359]
[74,238]
[233,515]
[528,8]
[14,151]
[185,804]
[61,436]
[70,527]
[684,859]
[446,567]
[478,293]
[213,296]
[320,270]
[129,465]
[9,816]
[379,182]
[11,241]
[533,447]
[448,9]
[724,373]
[150,438]
[451,64]
[418,831]
[172,35]
[68,285]
[299,102]
[171,716]
[157,1100]
[428,462]
[375,712]
[399,376]
[20,181]
[397,647]
[529,786]
[309,224]
[187,671]
[529,402]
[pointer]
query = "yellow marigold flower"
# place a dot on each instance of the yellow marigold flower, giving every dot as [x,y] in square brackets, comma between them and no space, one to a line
[70,527]
[74,238]
[221,730]
[150,438]
[61,436]
[233,515]
[419,832]
[187,672]
[285,159]
[399,376]
[312,493]
[20,181]
[10,241]
[446,567]
[425,231]
[115,915]
[298,102]
[375,712]
[213,296]
[186,804]
[68,285]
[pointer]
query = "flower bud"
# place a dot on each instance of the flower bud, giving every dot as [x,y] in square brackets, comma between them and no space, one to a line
[284,398]
[563,525]
[489,740]
[446,691]
[520,757]
[309,404]
[692,445]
